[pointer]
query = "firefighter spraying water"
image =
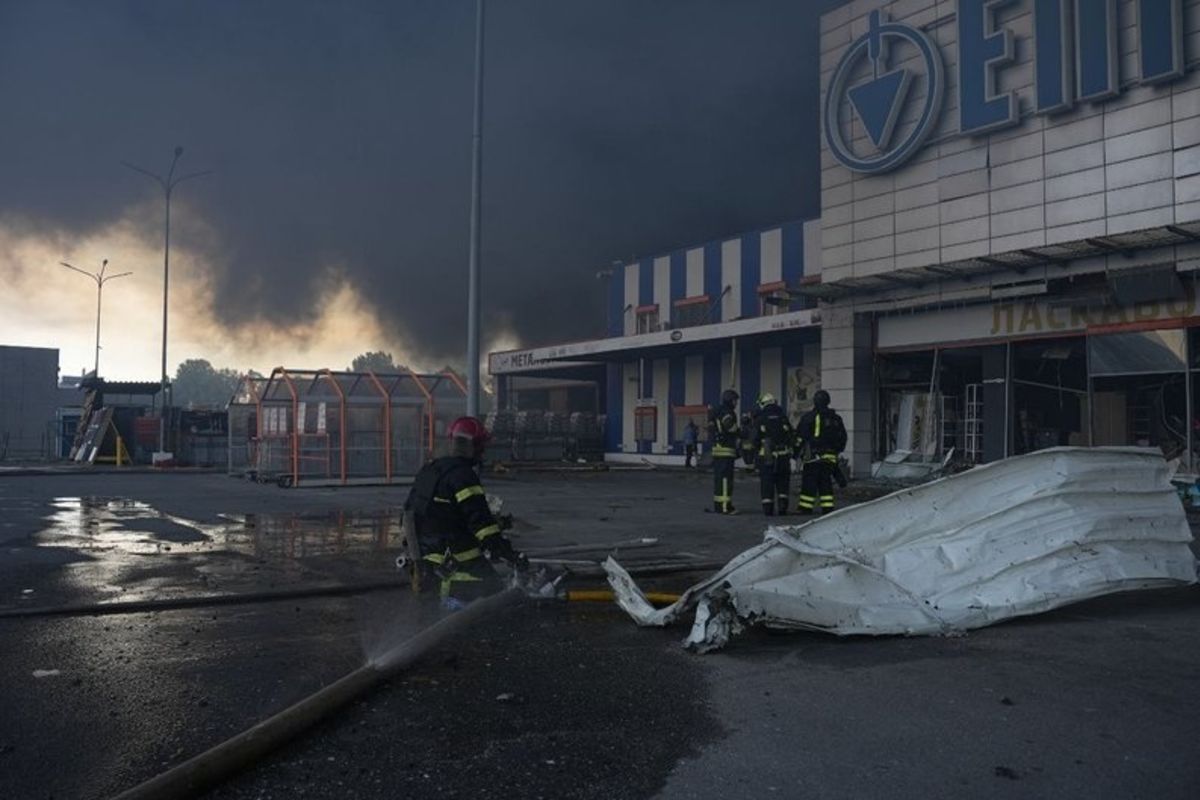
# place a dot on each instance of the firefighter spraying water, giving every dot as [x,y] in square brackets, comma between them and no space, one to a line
[453,536]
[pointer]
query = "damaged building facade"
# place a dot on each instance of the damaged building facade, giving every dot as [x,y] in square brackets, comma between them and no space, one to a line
[682,327]
[1010,203]
[1008,247]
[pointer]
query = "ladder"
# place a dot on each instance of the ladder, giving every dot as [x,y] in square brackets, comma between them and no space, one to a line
[85,418]
[973,423]
[948,424]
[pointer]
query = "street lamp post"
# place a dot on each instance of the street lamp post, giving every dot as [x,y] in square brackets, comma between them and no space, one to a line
[168,184]
[473,267]
[100,278]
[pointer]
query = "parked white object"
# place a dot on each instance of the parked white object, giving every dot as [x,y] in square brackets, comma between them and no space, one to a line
[1015,537]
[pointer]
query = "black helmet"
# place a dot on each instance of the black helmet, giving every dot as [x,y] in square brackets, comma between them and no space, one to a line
[821,399]
[729,398]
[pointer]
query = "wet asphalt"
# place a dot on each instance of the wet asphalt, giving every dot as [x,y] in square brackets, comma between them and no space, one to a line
[549,699]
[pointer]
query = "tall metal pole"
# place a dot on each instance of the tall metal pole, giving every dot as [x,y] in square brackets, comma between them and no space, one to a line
[99,292]
[100,278]
[473,387]
[168,184]
[162,389]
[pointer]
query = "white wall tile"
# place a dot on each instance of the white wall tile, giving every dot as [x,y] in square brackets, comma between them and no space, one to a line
[1020,221]
[1075,159]
[1187,190]
[917,218]
[731,276]
[964,208]
[917,196]
[1017,172]
[874,248]
[1019,241]
[1076,231]
[771,256]
[1141,197]
[1138,170]
[695,272]
[662,286]
[1153,218]
[1136,118]
[632,291]
[967,231]
[1021,196]
[1075,184]
[875,227]
[1077,209]
[1074,134]
[1187,160]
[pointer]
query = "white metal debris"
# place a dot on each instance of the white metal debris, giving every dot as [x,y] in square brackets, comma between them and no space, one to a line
[1015,537]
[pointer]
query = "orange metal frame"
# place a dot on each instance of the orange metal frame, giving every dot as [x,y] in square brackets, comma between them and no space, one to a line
[387,425]
[428,411]
[283,373]
[341,419]
[453,376]
[295,436]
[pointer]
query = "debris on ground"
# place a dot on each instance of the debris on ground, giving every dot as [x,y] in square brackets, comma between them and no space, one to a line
[907,468]
[1007,539]
[46,673]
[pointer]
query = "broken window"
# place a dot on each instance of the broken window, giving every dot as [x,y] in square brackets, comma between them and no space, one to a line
[1139,393]
[645,423]
[1049,394]
[773,299]
[647,319]
[691,312]
[1137,353]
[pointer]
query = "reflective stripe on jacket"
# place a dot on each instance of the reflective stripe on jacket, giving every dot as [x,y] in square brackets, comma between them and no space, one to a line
[450,510]
[727,434]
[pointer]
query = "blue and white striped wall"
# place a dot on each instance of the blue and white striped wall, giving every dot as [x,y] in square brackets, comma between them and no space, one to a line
[697,378]
[698,375]
[741,263]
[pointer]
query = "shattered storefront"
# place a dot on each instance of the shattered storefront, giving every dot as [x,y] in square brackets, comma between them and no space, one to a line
[978,383]
[1010,229]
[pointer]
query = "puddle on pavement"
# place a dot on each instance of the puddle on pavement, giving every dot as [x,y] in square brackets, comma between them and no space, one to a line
[129,550]
[93,524]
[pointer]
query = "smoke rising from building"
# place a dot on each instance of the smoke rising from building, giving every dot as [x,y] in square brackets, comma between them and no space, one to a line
[340,137]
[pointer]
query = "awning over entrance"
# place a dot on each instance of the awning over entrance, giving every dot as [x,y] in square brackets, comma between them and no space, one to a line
[656,344]
[1018,261]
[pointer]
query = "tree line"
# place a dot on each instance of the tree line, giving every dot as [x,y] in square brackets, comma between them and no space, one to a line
[199,384]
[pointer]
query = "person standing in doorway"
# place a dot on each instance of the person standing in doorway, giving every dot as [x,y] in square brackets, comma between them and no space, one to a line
[691,435]
[820,437]
[725,434]
[773,440]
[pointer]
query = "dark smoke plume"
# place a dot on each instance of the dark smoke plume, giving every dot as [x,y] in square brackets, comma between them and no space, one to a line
[340,136]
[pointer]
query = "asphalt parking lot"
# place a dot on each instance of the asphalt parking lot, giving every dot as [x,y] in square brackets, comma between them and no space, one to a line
[549,699]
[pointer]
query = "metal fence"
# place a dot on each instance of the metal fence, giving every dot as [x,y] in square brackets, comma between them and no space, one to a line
[546,435]
[309,427]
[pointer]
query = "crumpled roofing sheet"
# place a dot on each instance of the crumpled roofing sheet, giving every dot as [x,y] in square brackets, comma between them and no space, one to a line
[1007,539]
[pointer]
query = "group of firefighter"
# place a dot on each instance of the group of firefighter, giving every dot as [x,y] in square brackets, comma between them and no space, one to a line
[768,441]
[453,536]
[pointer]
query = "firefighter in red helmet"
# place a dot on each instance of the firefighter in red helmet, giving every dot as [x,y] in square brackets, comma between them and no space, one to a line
[456,533]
